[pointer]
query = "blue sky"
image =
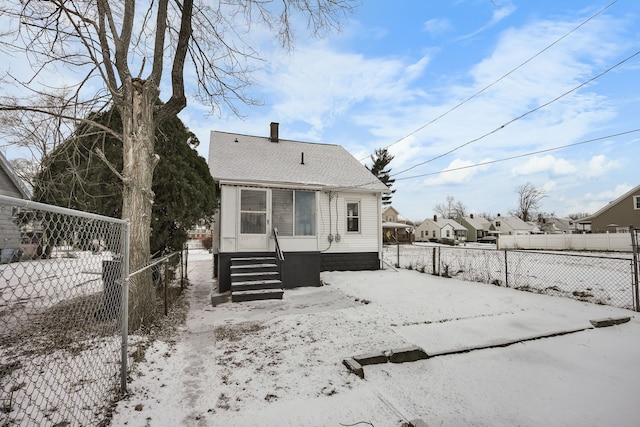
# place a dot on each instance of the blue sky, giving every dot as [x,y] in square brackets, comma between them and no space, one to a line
[396,67]
[451,84]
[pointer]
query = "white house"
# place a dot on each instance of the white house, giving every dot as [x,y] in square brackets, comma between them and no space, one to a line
[440,228]
[509,225]
[314,202]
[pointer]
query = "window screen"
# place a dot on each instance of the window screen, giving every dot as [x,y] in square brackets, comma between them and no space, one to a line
[282,211]
[253,212]
[305,213]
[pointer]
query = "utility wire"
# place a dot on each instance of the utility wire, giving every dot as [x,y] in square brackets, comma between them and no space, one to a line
[522,115]
[532,153]
[489,162]
[501,78]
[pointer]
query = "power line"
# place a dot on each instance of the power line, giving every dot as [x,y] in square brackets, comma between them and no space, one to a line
[532,153]
[489,162]
[501,78]
[539,107]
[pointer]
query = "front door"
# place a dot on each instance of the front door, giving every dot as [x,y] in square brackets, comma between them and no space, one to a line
[255,219]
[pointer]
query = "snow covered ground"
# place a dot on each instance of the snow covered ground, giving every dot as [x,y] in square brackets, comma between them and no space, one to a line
[279,363]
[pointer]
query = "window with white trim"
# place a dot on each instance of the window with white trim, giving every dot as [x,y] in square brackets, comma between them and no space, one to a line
[294,212]
[253,211]
[636,203]
[353,217]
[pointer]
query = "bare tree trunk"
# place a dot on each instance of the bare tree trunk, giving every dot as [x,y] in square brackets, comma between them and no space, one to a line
[139,162]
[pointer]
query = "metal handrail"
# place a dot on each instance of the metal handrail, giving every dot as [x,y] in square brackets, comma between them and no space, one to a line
[279,252]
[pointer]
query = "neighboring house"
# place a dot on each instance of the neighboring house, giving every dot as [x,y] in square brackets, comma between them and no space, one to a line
[325,205]
[477,227]
[390,214]
[10,185]
[440,229]
[395,227]
[553,225]
[508,225]
[615,217]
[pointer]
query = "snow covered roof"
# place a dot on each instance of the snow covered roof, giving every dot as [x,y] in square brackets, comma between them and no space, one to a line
[255,159]
[479,223]
[514,222]
[442,222]
[386,224]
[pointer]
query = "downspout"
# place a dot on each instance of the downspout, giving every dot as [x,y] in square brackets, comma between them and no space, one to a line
[380,261]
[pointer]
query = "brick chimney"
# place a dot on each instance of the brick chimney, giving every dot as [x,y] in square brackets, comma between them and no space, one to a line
[471,216]
[435,218]
[274,132]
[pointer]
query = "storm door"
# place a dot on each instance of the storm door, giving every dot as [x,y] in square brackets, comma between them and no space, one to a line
[255,214]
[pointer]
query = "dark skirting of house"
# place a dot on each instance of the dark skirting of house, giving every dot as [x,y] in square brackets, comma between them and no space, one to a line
[300,268]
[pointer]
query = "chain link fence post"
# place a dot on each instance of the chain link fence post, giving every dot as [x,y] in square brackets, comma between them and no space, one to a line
[125,310]
[634,248]
[506,270]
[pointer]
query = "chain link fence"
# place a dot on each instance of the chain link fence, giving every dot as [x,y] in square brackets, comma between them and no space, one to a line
[601,279]
[60,314]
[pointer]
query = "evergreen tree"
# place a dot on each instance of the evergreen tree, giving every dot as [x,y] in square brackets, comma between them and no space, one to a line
[380,160]
[76,176]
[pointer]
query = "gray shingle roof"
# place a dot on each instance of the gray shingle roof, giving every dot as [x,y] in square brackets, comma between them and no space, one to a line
[479,223]
[255,159]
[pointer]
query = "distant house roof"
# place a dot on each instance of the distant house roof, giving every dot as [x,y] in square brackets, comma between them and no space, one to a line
[396,225]
[255,159]
[554,224]
[19,188]
[479,223]
[442,222]
[588,219]
[514,222]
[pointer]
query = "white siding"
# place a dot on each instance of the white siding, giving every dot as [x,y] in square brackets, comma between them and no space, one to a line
[228,218]
[334,222]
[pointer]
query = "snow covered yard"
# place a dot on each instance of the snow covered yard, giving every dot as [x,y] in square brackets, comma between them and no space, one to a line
[279,363]
[597,277]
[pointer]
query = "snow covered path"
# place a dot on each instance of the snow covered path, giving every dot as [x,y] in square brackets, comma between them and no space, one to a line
[279,363]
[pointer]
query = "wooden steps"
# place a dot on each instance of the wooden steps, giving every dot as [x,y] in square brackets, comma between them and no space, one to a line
[255,278]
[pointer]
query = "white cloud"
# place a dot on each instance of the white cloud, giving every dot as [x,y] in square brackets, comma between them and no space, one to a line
[498,15]
[609,195]
[460,173]
[316,83]
[599,165]
[546,163]
[437,26]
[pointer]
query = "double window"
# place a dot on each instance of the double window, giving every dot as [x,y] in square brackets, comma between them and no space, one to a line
[294,212]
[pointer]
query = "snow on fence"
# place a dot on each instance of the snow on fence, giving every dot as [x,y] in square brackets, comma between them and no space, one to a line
[61,319]
[599,279]
[617,242]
